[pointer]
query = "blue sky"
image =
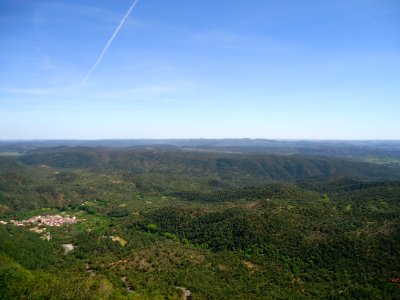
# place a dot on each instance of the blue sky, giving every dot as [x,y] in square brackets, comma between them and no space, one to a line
[200,69]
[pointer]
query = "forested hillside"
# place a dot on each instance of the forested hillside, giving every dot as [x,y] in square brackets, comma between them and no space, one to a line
[152,223]
[383,151]
[225,165]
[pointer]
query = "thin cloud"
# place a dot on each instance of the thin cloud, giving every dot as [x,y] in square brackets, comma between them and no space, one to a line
[46,60]
[109,42]
[52,10]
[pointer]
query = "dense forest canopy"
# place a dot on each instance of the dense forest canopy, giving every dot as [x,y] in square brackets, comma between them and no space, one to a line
[155,221]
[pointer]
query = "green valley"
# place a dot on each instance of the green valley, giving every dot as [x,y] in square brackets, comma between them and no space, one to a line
[155,222]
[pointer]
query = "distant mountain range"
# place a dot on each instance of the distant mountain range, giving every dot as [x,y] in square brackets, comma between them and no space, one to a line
[348,149]
[259,167]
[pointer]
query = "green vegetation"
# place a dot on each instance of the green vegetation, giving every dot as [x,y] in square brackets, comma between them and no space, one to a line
[223,226]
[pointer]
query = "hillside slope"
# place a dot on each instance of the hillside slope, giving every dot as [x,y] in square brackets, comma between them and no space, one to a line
[222,165]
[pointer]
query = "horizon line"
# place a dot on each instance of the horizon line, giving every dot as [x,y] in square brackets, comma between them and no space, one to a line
[195,138]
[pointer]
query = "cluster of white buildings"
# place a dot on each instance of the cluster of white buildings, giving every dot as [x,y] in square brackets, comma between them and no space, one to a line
[49,220]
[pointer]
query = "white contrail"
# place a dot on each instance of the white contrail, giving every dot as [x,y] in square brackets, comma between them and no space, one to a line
[109,42]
